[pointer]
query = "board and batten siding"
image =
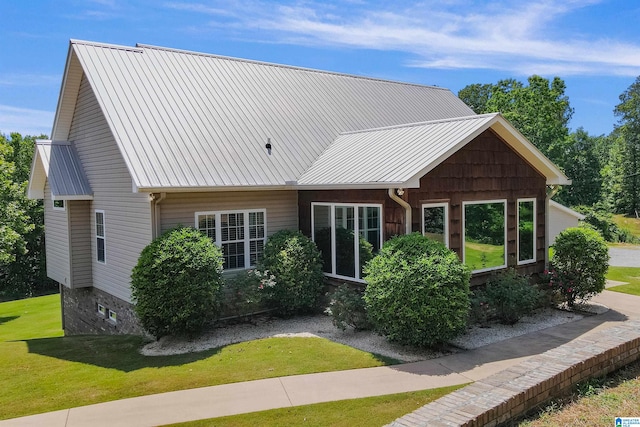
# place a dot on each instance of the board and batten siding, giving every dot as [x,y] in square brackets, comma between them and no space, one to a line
[127,214]
[282,207]
[57,235]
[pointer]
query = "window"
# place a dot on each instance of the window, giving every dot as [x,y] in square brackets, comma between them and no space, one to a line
[58,205]
[484,235]
[113,316]
[334,229]
[240,234]
[526,231]
[102,311]
[101,248]
[435,222]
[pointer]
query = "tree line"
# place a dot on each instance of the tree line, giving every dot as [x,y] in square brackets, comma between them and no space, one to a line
[603,168]
[22,255]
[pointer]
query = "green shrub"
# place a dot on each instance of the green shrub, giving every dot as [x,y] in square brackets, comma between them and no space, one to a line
[417,291]
[511,297]
[296,264]
[602,221]
[244,293]
[579,265]
[176,282]
[347,308]
[481,312]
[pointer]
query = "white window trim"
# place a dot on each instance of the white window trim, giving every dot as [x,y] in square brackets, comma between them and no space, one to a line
[482,202]
[113,316]
[444,205]
[102,311]
[59,208]
[246,241]
[104,234]
[535,230]
[356,226]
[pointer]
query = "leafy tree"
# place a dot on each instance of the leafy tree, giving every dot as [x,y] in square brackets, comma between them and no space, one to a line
[541,110]
[22,257]
[582,162]
[625,156]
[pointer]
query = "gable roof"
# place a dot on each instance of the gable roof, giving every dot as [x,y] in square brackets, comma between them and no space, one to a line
[58,162]
[185,120]
[191,121]
[399,156]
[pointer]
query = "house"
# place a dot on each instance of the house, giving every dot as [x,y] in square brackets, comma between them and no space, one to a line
[146,138]
[561,218]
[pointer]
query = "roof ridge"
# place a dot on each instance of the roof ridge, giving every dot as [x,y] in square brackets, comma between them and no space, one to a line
[107,45]
[415,124]
[292,67]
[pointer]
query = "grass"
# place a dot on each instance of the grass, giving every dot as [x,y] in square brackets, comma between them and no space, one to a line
[480,255]
[631,275]
[370,411]
[629,223]
[595,403]
[44,371]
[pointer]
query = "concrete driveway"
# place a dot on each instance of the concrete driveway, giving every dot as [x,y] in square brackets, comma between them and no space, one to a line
[628,256]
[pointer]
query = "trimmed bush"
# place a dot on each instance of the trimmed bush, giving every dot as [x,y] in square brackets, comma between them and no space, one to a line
[417,291]
[510,296]
[347,308]
[176,282]
[296,264]
[579,264]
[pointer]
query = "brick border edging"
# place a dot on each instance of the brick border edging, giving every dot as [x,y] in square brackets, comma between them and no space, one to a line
[516,390]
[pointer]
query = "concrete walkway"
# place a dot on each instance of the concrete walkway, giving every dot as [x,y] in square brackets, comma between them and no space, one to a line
[230,399]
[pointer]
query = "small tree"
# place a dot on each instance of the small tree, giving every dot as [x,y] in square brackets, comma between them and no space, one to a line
[579,264]
[417,291]
[176,282]
[296,265]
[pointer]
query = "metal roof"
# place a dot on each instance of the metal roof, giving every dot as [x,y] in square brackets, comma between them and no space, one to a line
[186,120]
[401,155]
[58,162]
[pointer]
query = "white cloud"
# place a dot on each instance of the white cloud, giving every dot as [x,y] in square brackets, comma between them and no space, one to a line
[25,121]
[521,37]
[29,79]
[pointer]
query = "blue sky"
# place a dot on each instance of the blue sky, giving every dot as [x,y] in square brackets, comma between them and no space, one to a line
[594,45]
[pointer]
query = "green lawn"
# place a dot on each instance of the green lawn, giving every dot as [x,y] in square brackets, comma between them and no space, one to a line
[631,224]
[631,275]
[480,255]
[371,411]
[44,371]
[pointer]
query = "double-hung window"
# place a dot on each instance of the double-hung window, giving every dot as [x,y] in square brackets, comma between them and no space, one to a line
[101,244]
[334,229]
[240,234]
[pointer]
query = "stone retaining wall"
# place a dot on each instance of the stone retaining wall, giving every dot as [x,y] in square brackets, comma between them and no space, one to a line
[516,390]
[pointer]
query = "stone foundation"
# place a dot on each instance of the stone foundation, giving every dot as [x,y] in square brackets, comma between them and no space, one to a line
[80,314]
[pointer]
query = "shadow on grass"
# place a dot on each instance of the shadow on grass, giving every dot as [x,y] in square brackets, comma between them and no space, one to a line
[112,352]
[7,319]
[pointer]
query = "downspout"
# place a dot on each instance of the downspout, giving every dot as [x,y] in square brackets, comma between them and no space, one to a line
[405,205]
[551,191]
[157,199]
